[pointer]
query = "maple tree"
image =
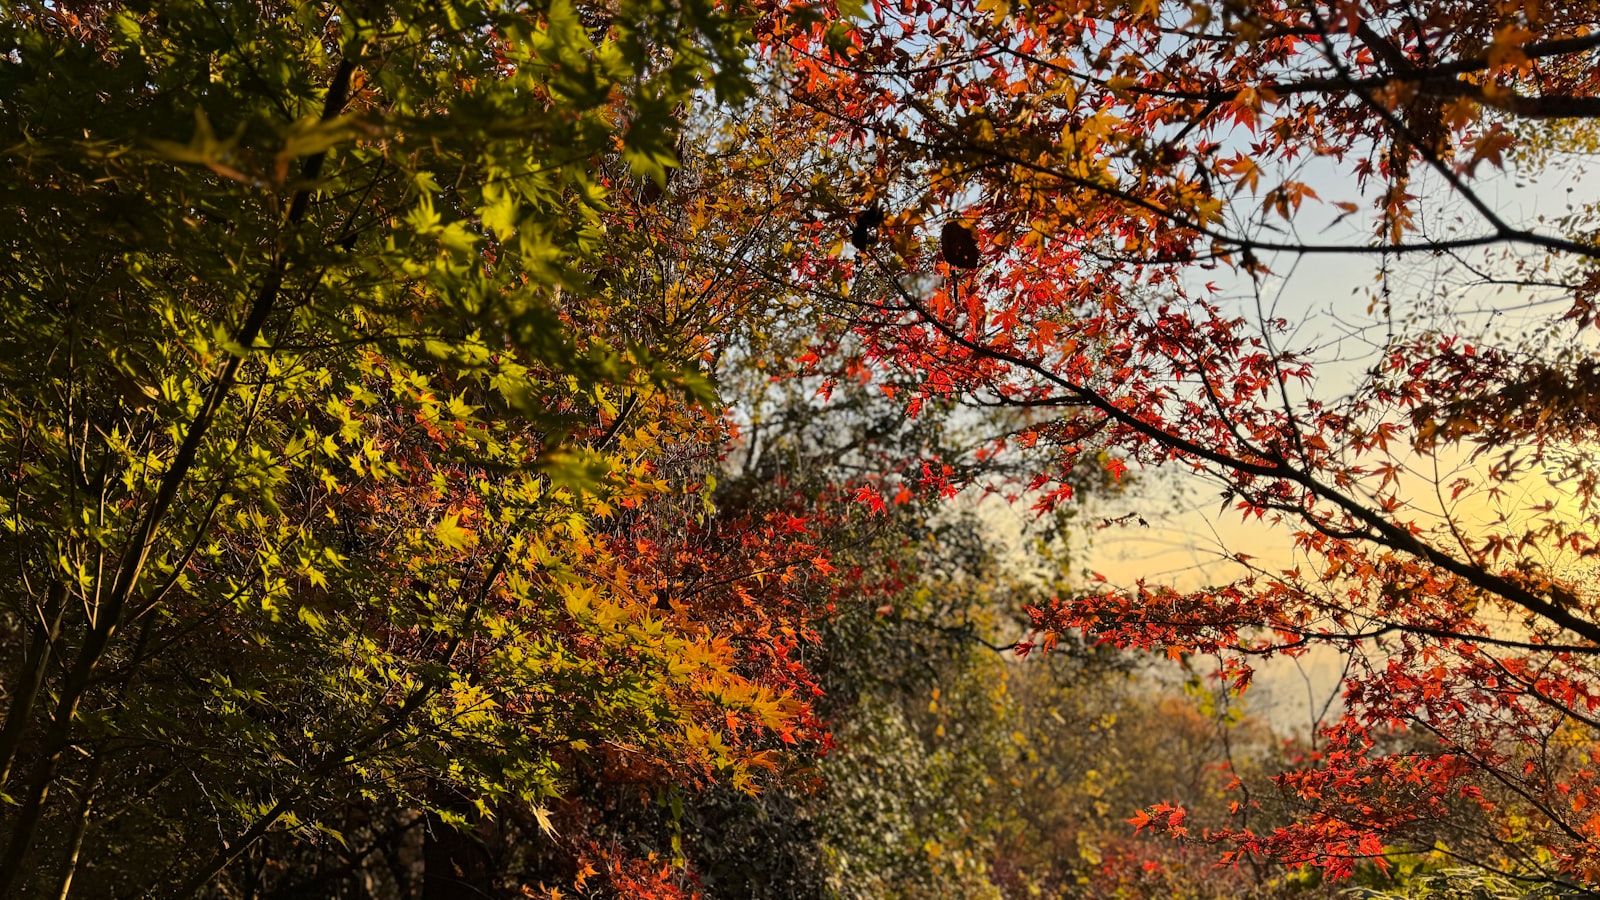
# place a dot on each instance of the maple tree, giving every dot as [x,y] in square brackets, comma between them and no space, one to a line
[349,477]
[458,432]
[1110,159]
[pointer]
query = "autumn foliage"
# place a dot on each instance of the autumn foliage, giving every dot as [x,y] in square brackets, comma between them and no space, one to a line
[1118,159]
[518,448]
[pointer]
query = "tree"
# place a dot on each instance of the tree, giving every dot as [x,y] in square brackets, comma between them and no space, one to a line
[339,487]
[363,468]
[1112,158]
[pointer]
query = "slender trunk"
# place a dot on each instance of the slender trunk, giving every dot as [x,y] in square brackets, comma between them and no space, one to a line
[28,682]
[79,829]
[57,739]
